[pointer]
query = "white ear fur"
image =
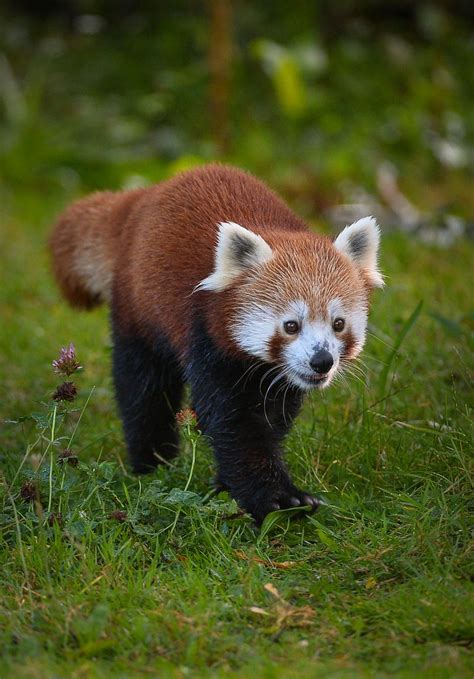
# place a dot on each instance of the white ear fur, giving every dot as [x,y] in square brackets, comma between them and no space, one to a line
[237,249]
[360,242]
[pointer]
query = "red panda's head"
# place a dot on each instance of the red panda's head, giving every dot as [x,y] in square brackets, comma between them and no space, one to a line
[299,300]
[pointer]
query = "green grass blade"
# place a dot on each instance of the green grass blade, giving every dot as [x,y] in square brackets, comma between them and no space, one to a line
[407,326]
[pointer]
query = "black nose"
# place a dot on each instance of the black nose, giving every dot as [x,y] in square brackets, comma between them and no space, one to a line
[321,361]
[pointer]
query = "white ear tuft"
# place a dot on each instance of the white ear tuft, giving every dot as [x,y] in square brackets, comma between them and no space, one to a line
[360,243]
[237,249]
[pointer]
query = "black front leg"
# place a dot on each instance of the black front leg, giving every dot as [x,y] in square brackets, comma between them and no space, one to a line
[255,474]
[246,419]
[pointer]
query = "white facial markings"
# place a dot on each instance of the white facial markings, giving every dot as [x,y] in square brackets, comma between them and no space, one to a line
[258,324]
[320,335]
[355,319]
[254,330]
[359,327]
[336,309]
[313,337]
[297,311]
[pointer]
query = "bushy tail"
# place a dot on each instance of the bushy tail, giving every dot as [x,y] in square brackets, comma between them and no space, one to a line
[83,245]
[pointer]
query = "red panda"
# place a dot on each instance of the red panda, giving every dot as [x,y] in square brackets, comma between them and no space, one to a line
[213,281]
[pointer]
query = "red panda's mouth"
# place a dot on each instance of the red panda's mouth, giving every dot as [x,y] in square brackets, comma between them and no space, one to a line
[314,380]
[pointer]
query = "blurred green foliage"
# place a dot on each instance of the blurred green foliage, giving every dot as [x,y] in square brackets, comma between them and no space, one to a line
[99,95]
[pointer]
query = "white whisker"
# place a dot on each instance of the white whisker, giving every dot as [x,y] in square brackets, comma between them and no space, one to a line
[278,377]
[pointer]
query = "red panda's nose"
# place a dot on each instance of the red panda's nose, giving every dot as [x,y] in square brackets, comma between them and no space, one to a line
[321,361]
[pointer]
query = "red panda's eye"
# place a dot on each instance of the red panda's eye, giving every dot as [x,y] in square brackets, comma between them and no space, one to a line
[291,327]
[338,325]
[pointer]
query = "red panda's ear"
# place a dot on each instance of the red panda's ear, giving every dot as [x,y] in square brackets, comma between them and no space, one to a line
[237,249]
[360,243]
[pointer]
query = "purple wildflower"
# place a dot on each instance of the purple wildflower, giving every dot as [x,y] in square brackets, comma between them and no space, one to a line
[186,418]
[66,364]
[118,515]
[29,492]
[65,392]
[55,517]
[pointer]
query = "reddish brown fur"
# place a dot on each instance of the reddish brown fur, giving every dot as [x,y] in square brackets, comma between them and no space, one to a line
[294,272]
[275,347]
[87,228]
[349,344]
[158,244]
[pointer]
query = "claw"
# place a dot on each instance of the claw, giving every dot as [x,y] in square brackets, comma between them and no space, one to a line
[311,501]
[283,498]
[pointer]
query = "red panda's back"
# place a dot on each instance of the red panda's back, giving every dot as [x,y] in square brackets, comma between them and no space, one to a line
[168,244]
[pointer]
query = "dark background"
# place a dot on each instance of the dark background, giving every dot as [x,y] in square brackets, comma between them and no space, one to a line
[363,104]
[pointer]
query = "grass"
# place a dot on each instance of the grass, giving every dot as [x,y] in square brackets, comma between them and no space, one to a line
[140,577]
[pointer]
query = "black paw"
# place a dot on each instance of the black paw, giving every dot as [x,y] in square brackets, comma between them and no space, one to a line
[289,498]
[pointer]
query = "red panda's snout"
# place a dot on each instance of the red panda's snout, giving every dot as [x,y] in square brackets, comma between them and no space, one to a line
[308,349]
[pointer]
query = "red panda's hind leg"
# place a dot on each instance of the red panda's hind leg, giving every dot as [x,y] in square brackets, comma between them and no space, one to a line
[149,388]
